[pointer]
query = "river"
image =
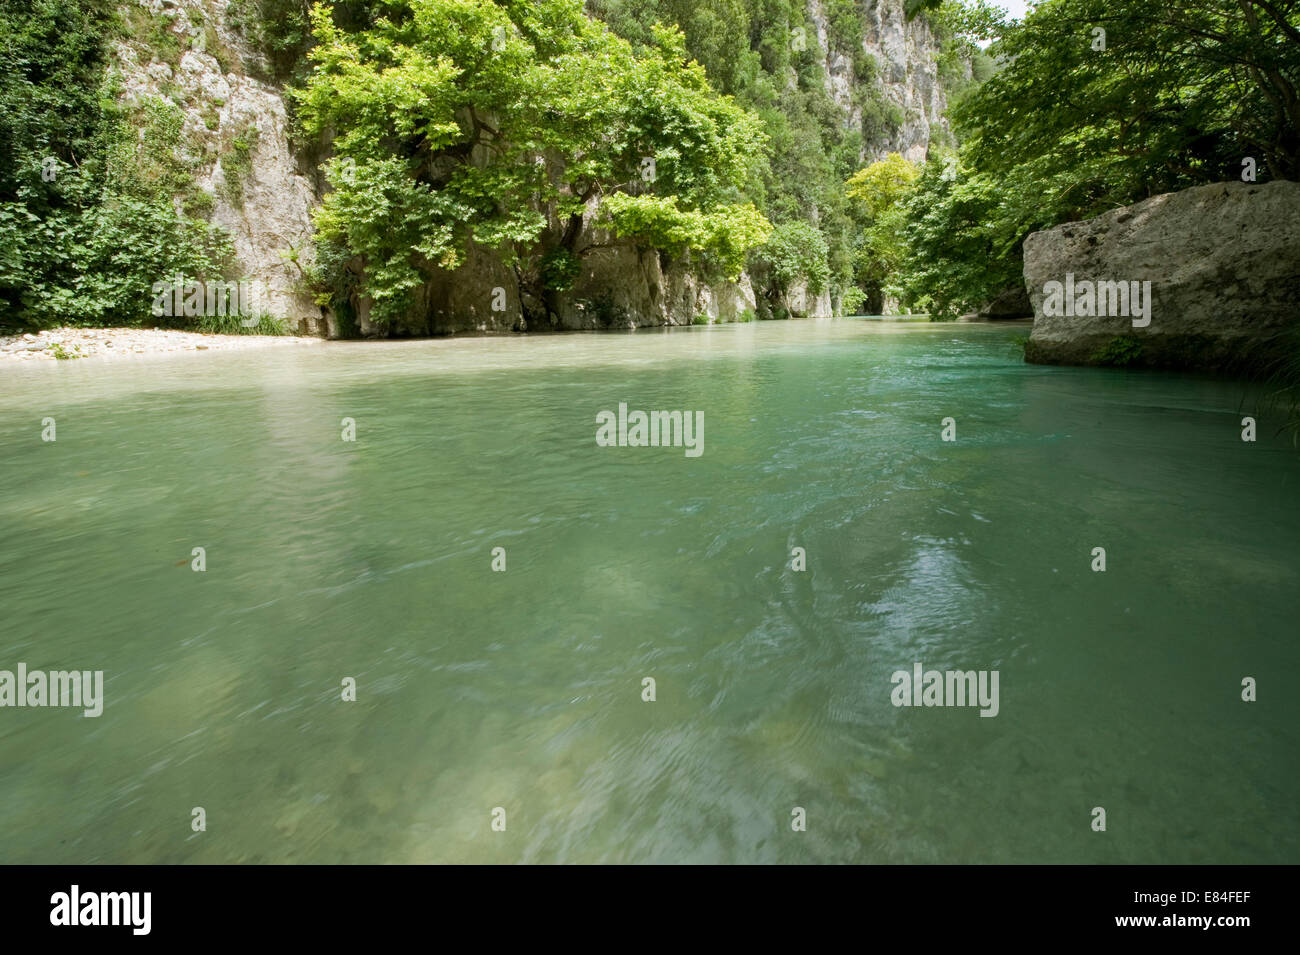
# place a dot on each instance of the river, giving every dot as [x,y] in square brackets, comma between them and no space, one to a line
[522,689]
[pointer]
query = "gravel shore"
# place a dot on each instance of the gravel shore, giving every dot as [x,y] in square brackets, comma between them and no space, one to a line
[55,343]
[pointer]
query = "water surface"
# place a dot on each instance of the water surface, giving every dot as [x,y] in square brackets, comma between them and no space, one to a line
[522,690]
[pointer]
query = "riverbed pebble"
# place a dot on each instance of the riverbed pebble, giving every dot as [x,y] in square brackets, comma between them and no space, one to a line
[49,344]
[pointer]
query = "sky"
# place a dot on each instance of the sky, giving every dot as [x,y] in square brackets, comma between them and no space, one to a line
[1014,7]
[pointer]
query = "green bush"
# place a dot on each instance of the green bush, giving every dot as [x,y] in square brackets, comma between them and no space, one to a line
[1120,351]
[560,269]
[86,246]
[236,163]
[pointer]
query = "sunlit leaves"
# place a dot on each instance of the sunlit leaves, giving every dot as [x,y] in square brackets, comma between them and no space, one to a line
[724,233]
[508,125]
[879,186]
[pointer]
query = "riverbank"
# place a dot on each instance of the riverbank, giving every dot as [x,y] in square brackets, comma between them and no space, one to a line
[67,343]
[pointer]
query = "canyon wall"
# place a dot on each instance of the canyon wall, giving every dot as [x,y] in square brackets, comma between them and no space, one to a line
[235,139]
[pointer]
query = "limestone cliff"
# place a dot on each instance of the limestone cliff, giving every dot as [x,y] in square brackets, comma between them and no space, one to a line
[235,140]
[906,75]
[232,141]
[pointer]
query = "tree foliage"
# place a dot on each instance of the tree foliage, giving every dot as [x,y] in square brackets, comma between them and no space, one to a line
[877,194]
[878,187]
[504,125]
[1181,93]
[89,195]
[767,54]
[795,252]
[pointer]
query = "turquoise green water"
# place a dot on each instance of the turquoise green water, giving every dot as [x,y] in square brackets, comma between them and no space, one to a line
[523,689]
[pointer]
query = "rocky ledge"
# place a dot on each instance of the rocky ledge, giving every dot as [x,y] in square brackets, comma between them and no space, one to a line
[1204,279]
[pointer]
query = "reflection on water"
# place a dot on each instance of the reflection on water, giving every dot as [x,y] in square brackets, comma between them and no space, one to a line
[522,689]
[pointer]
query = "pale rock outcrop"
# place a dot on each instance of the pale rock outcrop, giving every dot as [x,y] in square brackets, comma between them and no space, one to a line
[620,286]
[268,212]
[804,304]
[1223,261]
[903,51]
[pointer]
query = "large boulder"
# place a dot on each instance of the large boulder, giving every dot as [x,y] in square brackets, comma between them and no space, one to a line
[1223,266]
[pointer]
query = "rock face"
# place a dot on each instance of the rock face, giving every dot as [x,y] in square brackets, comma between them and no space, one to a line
[906,71]
[234,142]
[1223,263]
[622,286]
[1012,303]
[804,304]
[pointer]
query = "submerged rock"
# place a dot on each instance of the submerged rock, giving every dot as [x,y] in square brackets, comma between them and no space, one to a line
[1204,279]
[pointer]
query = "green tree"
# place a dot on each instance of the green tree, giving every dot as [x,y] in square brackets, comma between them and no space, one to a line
[1180,93]
[962,247]
[879,186]
[88,188]
[795,252]
[877,194]
[506,124]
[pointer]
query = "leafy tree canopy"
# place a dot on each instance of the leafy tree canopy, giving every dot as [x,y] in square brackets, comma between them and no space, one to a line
[501,124]
[1096,104]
